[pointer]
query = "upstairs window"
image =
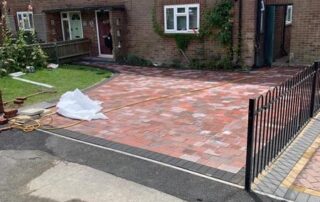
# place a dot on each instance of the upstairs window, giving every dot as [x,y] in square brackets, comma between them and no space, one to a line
[25,20]
[182,18]
[289,15]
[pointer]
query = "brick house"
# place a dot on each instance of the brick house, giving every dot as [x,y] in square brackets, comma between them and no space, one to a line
[266,29]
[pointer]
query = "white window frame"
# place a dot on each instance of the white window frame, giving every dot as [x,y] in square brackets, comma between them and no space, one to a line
[21,24]
[68,19]
[262,16]
[262,22]
[176,14]
[289,15]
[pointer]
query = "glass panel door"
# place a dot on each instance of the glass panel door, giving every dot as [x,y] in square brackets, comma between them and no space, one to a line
[66,30]
[71,25]
[75,25]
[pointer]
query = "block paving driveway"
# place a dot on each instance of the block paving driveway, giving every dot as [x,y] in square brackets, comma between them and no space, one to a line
[199,116]
[309,177]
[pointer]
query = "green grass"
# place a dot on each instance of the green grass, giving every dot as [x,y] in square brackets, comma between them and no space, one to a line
[65,78]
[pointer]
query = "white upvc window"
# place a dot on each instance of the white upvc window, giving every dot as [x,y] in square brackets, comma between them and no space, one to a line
[25,20]
[183,18]
[289,15]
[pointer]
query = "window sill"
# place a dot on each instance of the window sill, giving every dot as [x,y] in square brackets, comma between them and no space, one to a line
[26,30]
[184,32]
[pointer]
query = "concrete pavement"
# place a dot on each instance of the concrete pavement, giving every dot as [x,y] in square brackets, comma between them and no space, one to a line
[22,175]
[38,176]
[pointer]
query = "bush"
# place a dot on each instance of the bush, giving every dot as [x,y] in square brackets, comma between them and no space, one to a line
[134,60]
[16,55]
[176,64]
[216,63]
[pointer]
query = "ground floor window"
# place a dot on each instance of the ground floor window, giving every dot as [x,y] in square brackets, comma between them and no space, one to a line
[71,23]
[182,18]
[289,15]
[25,20]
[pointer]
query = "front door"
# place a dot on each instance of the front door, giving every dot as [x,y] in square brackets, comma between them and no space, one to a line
[75,25]
[104,33]
[269,35]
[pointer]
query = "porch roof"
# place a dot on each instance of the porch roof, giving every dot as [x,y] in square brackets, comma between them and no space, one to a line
[85,8]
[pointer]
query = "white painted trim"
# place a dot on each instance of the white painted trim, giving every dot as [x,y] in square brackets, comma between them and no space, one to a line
[106,56]
[97,30]
[33,82]
[63,19]
[176,14]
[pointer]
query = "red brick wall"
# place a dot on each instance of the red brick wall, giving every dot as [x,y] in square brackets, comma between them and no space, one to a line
[119,32]
[278,2]
[279,31]
[287,42]
[89,30]
[54,28]
[249,31]
[305,43]
[141,40]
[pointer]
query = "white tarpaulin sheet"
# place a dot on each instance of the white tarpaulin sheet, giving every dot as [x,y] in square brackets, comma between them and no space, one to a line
[76,105]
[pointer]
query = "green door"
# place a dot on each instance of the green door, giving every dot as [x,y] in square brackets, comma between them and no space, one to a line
[269,34]
[75,25]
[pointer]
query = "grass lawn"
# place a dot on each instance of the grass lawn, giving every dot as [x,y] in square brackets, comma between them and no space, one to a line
[65,78]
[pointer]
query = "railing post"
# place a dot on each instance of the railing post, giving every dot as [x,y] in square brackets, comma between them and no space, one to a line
[1,104]
[251,118]
[56,52]
[314,86]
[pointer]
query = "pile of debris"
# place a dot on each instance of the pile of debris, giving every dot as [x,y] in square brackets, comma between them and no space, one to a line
[73,105]
[11,117]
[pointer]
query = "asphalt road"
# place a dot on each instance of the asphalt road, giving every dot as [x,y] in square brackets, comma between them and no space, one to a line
[41,167]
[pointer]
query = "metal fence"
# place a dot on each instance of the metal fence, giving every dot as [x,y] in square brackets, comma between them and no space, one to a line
[276,118]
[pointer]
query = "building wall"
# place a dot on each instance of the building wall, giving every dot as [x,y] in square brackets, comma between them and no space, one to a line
[54,29]
[90,31]
[287,42]
[248,31]
[282,33]
[141,39]
[305,43]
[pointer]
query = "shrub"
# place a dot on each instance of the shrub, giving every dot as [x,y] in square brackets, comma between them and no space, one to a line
[216,63]
[134,60]
[16,54]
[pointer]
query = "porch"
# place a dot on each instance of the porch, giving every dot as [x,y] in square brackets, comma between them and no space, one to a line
[103,26]
[274,30]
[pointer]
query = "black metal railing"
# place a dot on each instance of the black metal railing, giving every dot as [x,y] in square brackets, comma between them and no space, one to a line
[276,118]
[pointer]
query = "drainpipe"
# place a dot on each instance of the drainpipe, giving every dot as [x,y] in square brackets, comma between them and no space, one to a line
[283,50]
[257,40]
[240,33]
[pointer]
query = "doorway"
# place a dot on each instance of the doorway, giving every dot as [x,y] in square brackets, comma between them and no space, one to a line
[71,25]
[105,42]
[273,35]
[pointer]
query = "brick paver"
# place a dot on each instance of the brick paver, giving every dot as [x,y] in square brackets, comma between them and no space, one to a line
[207,126]
[295,174]
[309,178]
